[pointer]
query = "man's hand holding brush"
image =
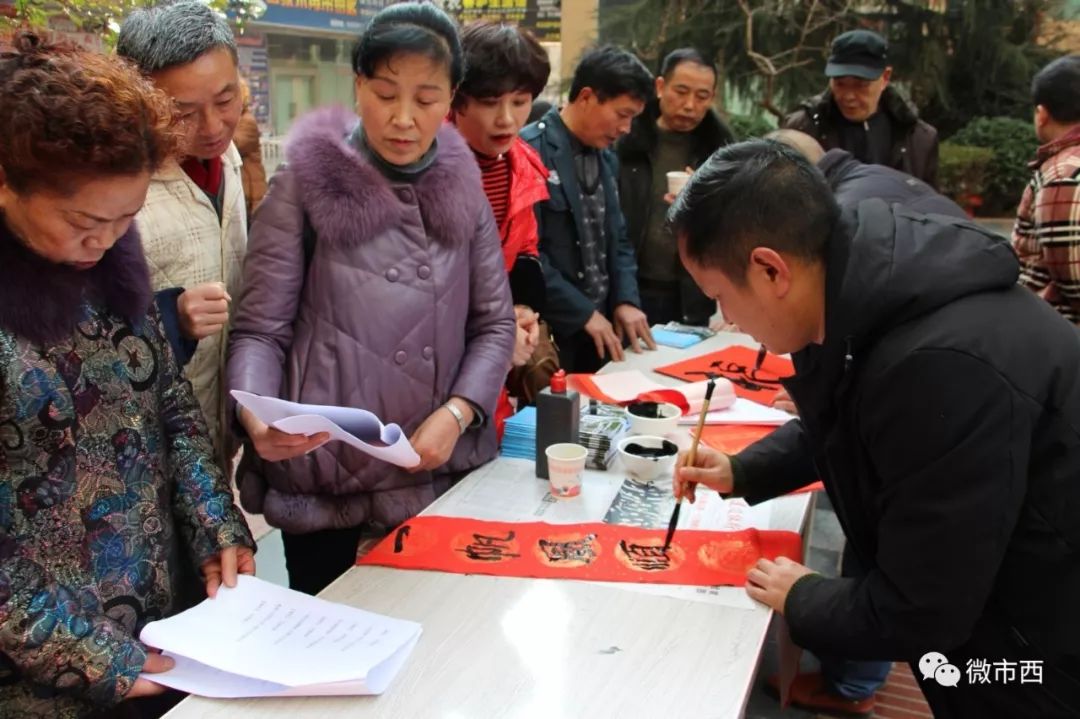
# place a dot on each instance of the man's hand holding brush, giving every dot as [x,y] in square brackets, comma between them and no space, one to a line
[710,468]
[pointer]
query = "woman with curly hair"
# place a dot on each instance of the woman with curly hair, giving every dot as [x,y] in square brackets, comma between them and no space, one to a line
[111,504]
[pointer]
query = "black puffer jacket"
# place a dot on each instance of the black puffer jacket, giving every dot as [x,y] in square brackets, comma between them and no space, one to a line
[942,413]
[852,182]
[915,142]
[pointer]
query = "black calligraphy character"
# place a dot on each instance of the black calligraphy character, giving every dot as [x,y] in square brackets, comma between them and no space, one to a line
[489,549]
[753,380]
[646,557]
[578,550]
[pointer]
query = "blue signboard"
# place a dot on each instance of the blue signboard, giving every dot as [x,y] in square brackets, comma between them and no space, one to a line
[345,16]
[541,17]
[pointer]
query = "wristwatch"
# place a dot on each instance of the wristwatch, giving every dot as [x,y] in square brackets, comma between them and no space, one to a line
[461,423]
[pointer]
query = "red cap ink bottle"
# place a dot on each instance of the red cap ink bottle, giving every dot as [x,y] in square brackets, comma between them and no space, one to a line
[558,413]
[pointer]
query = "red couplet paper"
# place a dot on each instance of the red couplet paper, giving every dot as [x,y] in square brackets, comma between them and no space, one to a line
[598,552]
[734,438]
[737,365]
[584,384]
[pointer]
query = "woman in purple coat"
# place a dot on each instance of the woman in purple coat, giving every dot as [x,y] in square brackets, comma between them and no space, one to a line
[373,279]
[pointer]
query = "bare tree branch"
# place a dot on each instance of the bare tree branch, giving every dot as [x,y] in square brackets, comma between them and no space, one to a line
[818,16]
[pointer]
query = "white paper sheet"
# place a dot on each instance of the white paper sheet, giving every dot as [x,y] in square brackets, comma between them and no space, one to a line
[259,639]
[625,386]
[356,427]
[742,411]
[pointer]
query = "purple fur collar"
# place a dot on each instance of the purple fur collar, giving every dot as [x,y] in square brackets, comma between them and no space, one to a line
[349,200]
[42,302]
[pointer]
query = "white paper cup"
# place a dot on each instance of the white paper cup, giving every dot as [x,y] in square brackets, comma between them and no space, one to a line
[676,181]
[566,462]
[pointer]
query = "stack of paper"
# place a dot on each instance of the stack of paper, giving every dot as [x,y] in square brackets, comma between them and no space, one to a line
[601,428]
[519,435]
[680,336]
[258,639]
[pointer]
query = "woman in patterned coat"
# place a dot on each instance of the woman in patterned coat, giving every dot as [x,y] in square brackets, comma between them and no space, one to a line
[111,504]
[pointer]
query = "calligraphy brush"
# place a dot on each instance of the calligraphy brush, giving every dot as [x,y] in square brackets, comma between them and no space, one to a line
[690,457]
[760,358]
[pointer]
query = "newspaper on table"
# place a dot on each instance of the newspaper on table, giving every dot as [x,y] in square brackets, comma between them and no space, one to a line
[508,490]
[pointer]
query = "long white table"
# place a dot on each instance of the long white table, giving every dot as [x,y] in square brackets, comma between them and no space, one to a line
[501,647]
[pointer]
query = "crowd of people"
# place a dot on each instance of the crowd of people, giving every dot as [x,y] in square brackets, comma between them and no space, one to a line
[432,254]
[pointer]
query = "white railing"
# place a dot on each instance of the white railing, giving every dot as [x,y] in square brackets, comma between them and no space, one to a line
[273,153]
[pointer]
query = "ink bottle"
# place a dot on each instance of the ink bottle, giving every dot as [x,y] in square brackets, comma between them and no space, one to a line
[558,413]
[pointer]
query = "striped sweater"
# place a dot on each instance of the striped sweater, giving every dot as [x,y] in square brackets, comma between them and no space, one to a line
[496,175]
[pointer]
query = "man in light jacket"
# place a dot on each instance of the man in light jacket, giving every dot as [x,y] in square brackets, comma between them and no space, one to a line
[194,222]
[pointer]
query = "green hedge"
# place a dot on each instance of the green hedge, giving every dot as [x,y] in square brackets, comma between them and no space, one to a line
[963,171]
[746,127]
[1013,144]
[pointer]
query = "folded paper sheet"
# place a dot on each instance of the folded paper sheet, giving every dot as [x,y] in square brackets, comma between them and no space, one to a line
[597,551]
[356,427]
[632,385]
[258,639]
[737,365]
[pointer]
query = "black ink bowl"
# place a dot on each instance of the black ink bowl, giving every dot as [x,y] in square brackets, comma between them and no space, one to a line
[653,418]
[648,457]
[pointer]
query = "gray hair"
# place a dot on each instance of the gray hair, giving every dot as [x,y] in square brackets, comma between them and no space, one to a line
[165,36]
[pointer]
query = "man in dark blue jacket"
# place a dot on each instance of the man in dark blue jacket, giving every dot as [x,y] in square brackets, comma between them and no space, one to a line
[938,401]
[593,304]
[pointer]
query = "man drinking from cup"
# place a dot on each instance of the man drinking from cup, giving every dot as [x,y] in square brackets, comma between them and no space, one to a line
[677,131]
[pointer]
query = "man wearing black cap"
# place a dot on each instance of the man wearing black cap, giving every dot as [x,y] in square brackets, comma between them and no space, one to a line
[860,113]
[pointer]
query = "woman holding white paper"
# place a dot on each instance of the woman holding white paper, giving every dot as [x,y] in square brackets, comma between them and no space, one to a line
[374,279]
[110,499]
